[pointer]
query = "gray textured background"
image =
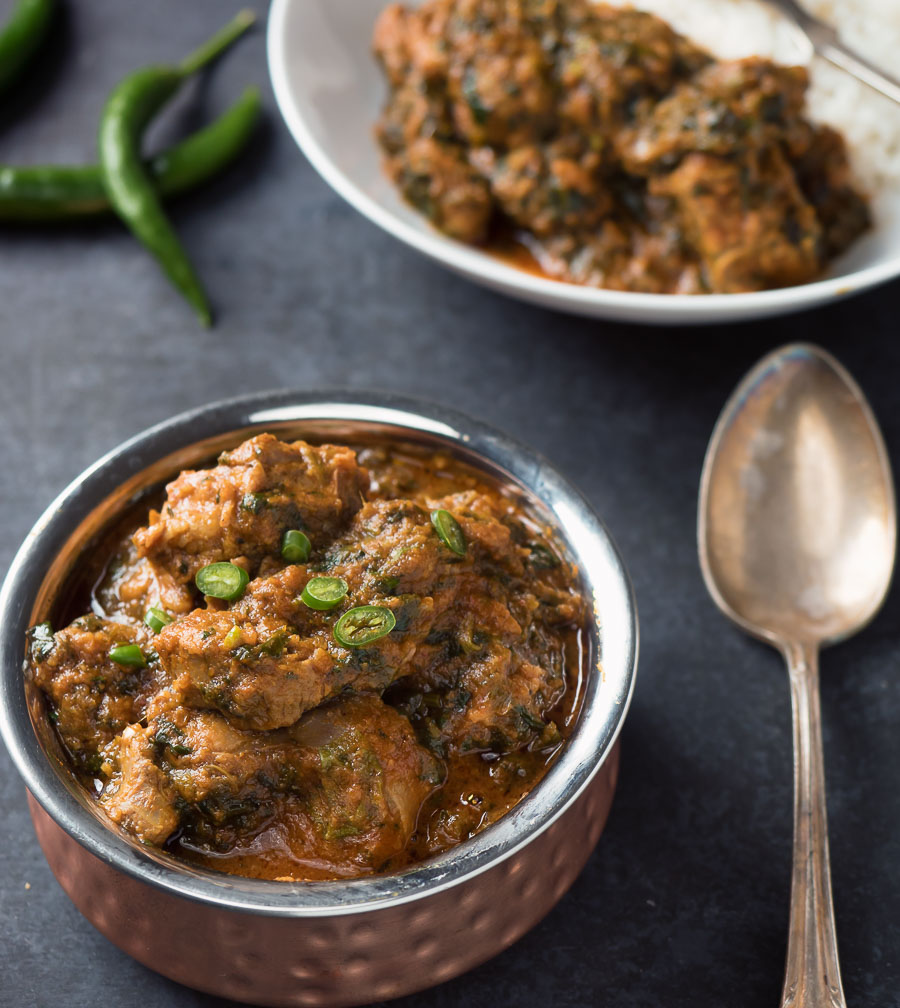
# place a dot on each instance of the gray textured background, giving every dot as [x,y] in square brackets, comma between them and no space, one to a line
[684,902]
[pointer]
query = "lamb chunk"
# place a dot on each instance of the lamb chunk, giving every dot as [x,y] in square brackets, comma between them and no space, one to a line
[390,42]
[727,109]
[548,188]
[499,70]
[351,772]
[226,781]
[501,704]
[824,175]
[208,760]
[249,662]
[241,507]
[269,659]
[750,224]
[430,166]
[92,698]
[490,539]
[369,778]
[260,675]
[137,794]
[435,177]
[614,58]
[133,584]
[469,692]
[390,548]
[478,697]
[409,43]
[412,113]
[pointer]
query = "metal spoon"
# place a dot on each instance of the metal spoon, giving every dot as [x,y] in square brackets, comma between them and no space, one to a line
[827,43]
[797,534]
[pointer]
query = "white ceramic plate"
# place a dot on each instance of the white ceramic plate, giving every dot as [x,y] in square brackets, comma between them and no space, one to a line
[330,92]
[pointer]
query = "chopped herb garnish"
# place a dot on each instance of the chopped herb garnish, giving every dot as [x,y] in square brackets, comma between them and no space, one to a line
[167,734]
[476,105]
[42,641]
[542,557]
[253,502]
[275,644]
[387,585]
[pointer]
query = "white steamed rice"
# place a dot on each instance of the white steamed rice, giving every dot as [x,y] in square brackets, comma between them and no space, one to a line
[731,29]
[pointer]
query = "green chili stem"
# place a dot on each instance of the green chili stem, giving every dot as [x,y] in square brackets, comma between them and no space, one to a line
[214,47]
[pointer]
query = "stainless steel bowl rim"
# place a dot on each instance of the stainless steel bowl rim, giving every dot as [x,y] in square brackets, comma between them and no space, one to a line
[598,727]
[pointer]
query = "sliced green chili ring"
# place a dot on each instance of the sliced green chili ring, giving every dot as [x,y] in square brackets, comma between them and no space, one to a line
[128,654]
[222,580]
[157,618]
[324,592]
[295,546]
[447,528]
[363,625]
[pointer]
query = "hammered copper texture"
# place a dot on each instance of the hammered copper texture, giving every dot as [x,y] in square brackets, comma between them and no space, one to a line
[343,960]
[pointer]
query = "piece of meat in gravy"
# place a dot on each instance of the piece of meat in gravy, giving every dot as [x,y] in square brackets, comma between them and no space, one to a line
[134,583]
[747,218]
[612,58]
[240,508]
[826,180]
[437,179]
[269,658]
[137,794]
[468,691]
[727,109]
[350,777]
[548,188]
[92,698]
[367,780]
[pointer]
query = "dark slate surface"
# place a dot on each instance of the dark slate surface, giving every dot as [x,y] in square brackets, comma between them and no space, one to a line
[684,902]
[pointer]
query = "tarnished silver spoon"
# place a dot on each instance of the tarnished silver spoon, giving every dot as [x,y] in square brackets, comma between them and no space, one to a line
[797,534]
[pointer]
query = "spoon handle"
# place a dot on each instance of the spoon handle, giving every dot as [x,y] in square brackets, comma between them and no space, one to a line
[812,974]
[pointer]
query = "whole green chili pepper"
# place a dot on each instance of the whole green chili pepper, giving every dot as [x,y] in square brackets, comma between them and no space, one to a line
[21,35]
[133,102]
[52,193]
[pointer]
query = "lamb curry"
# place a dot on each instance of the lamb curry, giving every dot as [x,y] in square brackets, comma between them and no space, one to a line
[313,662]
[596,145]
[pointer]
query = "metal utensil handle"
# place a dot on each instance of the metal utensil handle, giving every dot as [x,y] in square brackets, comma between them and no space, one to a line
[827,43]
[836,52]
[812,974]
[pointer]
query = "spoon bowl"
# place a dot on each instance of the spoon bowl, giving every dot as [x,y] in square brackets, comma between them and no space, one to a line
[797,526]
[797,536]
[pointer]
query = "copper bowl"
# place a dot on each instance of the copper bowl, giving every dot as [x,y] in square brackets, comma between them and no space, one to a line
[319,943]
